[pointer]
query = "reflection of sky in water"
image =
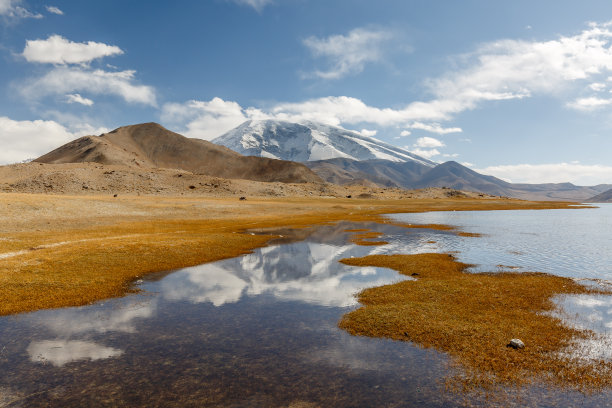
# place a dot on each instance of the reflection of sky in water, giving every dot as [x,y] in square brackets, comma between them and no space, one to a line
[593,313]
[262,325]
[303,271]
[573,243]
[60,352]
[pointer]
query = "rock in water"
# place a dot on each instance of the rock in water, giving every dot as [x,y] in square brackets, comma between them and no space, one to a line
[516,344]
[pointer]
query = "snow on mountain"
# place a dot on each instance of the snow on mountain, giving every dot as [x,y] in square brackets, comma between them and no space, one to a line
[310,141]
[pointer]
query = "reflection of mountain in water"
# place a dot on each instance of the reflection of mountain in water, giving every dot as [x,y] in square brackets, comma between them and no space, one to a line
[303,271]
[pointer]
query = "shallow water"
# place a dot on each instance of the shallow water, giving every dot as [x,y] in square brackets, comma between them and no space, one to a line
[257,330]
[572,243]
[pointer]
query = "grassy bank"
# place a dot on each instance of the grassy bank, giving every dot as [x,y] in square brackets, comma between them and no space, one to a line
[60,251]
[473,316]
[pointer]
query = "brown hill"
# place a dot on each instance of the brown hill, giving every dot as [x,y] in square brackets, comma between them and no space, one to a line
[150,145]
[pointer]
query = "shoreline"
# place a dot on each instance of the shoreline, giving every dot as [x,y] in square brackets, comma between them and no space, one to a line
[60,251]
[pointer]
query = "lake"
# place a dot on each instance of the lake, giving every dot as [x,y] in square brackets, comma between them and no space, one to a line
[260,330]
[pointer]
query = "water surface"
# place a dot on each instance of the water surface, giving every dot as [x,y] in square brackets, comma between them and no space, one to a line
[254,331]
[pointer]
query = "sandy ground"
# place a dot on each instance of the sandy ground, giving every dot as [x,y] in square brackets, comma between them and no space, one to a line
[98,179]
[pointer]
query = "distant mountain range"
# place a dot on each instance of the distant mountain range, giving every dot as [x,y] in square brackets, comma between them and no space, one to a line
[605,197]
[152,145]
[268,151]
[346,157]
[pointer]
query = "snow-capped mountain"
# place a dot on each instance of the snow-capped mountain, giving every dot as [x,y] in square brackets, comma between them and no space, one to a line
[310,141]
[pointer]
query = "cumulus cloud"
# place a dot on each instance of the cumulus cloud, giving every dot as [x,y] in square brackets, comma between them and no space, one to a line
[207,120]
[513,69]
[589,104]
[54,10]
[368,133]
[217,116]
[426,153]
[405,133]
[58,50]
[347,54]
[428,142]
[77,98]
[12,9]
[576,173]
[434,128]
[22,140]
[256,4]
[64,80]
[597,86]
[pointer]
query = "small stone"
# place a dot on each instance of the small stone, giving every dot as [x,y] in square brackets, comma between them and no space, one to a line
[516,344]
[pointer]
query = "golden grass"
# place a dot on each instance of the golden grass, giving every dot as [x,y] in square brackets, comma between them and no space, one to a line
[74,250]
[366,238]
[472,317]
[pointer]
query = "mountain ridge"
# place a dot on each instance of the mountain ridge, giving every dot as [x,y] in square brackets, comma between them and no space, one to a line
[310,141]
[605,197]
[153,146]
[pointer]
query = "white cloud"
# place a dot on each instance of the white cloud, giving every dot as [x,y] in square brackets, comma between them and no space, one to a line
[405,133]
[207,120]
[434,128]
[77,98]
[426,153]
[22,140]
[58,50]
[347,54]
[64,80]
[512,69]
[217,116]
[54,10]
[580,174]
[11,9]
[368,133]
[428,142]
[256,4]
[597,86]
[589,104]
[467,164]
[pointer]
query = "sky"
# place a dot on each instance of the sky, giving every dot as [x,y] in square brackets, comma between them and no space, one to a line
[520,90]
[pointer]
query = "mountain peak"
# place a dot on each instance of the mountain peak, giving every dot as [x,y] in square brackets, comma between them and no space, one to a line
[310,141]
[150,145]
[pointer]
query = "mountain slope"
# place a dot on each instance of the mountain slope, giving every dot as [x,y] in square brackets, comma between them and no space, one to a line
[151,145]
[605,197]
[454,175]
[379,172]
[310,141]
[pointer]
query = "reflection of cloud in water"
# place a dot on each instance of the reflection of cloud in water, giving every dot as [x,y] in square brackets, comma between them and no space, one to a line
[588,312]
[203,283]
[60,352]
[66,322]
[303,271]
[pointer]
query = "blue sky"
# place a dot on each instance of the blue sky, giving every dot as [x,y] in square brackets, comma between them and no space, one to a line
[521,90]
